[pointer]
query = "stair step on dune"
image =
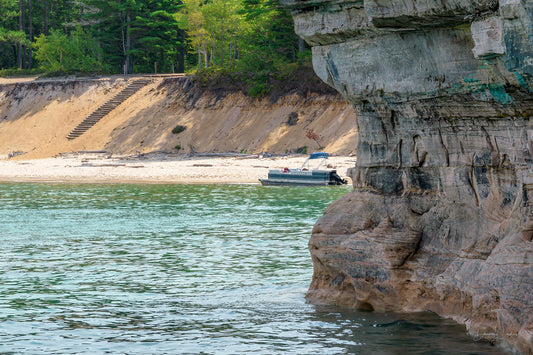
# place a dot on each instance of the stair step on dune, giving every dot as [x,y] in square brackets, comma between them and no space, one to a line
[106,108]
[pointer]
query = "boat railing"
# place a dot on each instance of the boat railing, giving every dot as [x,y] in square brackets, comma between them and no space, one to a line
[321,156]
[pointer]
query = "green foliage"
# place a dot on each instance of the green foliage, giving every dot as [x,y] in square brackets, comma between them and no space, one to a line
[302,150]
[254,84]
[24,20]
[178,129]
[178,147]
[270,82]
[9,10]
[215,30]
[4,73]
[242,44]
[258,86]
[13,36]
[137,33]
[158,36]
[10,35]
[254,38]
[248,35]
[215,78]
[77,52]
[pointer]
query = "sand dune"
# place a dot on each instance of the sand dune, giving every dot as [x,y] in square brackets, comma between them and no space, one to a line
[36,117]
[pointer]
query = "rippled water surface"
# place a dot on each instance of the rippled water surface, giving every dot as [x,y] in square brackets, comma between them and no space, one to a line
[215,269]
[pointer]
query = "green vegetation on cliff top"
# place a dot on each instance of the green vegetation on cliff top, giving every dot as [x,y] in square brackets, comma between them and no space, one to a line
[249,39]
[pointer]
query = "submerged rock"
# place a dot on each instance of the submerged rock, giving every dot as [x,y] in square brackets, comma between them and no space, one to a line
[441,216]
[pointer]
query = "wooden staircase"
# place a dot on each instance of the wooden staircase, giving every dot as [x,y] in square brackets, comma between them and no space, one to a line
[109,106]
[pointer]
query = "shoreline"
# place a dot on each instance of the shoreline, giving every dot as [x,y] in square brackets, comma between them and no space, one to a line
[103,168]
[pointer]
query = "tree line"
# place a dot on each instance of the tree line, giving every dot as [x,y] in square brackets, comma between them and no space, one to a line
[143,36]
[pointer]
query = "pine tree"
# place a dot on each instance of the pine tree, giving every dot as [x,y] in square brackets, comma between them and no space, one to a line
[158,33]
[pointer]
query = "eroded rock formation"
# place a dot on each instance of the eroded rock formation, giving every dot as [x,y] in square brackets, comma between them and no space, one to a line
[441,217]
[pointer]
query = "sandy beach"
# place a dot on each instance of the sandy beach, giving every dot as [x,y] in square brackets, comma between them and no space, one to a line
[154,168]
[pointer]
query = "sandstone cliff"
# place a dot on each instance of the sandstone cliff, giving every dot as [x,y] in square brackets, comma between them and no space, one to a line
[441,217]
[36,117]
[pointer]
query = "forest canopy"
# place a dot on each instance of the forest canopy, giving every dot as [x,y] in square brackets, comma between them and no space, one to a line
[146,36]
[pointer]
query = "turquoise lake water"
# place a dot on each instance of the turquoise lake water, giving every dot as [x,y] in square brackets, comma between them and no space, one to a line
[182,269]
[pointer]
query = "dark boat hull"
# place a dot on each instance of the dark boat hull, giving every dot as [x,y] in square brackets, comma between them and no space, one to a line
[302,178]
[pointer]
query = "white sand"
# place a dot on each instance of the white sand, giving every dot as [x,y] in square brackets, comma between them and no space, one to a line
[101,168]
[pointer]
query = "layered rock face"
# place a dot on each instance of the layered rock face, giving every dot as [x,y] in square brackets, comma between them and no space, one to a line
[441,216]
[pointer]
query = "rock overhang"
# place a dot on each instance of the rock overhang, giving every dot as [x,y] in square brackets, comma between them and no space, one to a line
[417,48]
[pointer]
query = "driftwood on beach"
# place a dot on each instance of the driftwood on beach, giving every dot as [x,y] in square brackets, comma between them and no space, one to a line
[226,155]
